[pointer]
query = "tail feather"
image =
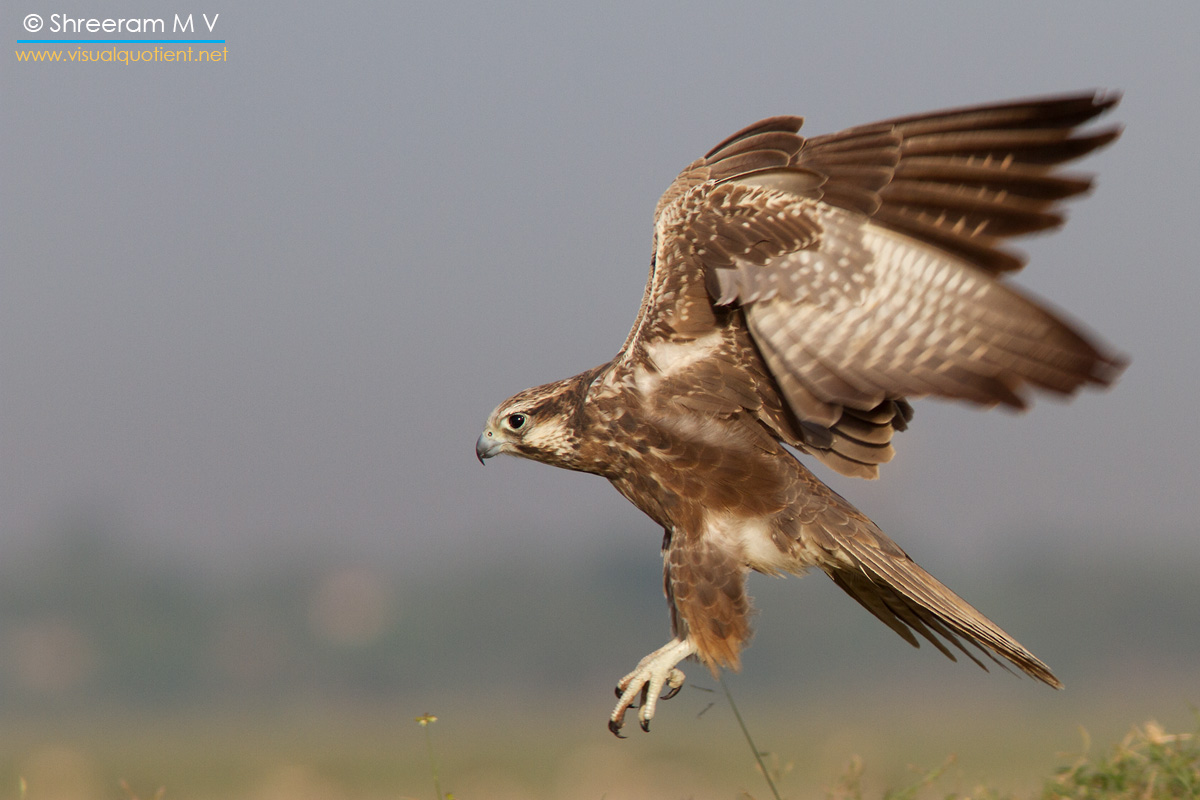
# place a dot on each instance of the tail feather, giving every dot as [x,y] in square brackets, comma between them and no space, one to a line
[906,598]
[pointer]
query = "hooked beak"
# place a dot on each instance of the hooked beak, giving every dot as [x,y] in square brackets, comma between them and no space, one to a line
[487,446]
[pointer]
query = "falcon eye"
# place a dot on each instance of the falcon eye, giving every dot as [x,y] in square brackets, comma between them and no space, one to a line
[517,421]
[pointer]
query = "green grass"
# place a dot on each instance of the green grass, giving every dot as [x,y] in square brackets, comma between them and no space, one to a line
[1148,763]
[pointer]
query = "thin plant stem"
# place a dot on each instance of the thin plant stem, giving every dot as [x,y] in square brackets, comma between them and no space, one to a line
[437,785]
[746,732]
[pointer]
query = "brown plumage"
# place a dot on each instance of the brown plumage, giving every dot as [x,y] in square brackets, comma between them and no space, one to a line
[802,291]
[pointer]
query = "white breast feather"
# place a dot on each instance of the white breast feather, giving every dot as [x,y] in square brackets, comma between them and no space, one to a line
[749,538]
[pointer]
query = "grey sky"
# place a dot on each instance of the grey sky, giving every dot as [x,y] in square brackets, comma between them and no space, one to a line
[266,305]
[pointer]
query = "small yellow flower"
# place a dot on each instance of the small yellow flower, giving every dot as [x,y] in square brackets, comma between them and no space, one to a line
[425,719]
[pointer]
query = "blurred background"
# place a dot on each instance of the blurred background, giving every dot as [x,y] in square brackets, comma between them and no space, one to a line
[253,315]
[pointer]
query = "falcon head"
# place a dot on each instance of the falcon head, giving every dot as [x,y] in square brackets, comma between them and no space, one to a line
[538,423]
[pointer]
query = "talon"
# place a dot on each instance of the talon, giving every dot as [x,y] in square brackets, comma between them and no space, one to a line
[615,726]
[645,723]
[675,680]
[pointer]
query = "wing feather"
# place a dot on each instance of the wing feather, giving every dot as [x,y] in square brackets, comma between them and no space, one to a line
[1007,151]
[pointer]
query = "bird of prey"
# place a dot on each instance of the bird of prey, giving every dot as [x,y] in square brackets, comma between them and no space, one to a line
[801,292]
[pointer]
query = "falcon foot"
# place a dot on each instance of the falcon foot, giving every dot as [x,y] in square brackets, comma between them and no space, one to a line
[654,673]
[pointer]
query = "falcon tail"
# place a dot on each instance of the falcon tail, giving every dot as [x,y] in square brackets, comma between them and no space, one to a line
[908,599]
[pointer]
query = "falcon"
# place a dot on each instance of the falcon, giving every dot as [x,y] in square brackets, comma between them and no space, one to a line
[802,291]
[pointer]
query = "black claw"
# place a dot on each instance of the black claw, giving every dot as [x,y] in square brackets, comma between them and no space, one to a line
[617,691]
[645,723]
[674,691]
[615,727]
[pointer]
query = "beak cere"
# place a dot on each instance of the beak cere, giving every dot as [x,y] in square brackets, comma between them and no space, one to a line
[486,446]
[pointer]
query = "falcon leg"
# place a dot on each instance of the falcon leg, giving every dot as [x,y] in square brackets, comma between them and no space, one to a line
[653,673]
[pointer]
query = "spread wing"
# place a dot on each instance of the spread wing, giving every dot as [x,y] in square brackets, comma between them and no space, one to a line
[866,267]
